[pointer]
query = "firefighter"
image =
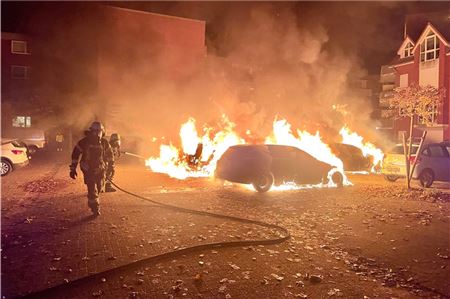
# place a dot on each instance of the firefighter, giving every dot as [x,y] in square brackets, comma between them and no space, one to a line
[114,142]
[59,138]
[96,159]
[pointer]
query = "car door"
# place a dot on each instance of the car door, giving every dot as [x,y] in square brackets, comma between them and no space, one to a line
[438,161]
[447,164]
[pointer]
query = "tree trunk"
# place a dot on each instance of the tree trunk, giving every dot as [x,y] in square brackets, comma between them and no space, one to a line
[405,152]
[422,140]
[408,167]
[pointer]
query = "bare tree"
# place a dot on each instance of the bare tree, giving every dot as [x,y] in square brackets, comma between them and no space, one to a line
[418,103]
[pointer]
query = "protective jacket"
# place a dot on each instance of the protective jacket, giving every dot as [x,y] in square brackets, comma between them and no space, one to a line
[96,155]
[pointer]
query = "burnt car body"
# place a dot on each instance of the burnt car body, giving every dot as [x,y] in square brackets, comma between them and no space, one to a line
[352,157]
[266,164]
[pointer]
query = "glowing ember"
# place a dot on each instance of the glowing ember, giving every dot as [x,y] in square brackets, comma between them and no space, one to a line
[367,148]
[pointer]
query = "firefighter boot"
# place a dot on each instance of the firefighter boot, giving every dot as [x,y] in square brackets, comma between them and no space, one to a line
[109,187]
[95,207]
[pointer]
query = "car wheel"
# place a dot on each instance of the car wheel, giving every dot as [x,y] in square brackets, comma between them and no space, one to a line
[264,182]
[337,179]
[391,178]
[426,178]
[5,167]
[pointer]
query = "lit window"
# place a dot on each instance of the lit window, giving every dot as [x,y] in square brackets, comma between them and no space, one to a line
[21,122]
[429,48]
[19,47]
[408,50]
[20,72]
[431,117]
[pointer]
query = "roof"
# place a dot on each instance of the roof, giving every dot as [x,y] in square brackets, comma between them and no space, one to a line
[12,35]
[425,32]
[153,14]
[398,61]
[415,23]
[405,42]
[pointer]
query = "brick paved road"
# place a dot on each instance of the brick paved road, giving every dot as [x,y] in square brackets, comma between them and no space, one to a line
[364,240]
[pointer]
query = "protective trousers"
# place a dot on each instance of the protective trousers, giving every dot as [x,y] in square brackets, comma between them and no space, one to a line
[95,183]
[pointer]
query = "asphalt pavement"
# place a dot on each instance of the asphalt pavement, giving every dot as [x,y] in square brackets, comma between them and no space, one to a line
[370,240]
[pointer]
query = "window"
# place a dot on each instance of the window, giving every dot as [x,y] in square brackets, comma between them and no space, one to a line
[431,117]
[20,72]
[19,47]
[429,48]
[21,122]
[436,151]
[408,50]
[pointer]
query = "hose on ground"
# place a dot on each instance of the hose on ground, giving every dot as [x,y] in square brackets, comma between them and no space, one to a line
[284,235]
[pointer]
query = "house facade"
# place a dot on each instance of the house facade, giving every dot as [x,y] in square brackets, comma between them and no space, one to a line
[16,80]
[423,59]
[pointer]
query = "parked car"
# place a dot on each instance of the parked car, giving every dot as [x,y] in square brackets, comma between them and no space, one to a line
[394,166]
[14,155]
[33,138]
[352,157]
[264,165]
[433,164]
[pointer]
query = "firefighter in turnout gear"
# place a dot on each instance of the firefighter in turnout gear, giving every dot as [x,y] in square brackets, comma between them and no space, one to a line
[114,142]
[96,160]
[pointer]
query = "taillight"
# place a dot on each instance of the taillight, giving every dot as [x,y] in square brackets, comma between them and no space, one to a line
[17,152]
[412,158]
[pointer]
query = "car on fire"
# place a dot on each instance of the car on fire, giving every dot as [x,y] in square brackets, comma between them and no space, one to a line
[265,165]
[352,157]
[14,155]
[433,164]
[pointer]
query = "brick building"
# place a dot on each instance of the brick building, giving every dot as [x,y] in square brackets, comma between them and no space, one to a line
[80,59]
[423,58]
[17,87]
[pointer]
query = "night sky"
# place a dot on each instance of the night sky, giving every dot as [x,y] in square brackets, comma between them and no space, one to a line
[373,29]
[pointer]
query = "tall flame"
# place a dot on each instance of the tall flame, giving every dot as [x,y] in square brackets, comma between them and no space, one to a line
[178,163]
[312,144]
[175,162]
[367,148]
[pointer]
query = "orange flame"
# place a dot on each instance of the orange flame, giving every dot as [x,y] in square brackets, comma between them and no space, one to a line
[367,148]
[175,162]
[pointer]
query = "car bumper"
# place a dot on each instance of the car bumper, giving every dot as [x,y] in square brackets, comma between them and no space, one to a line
[21,164]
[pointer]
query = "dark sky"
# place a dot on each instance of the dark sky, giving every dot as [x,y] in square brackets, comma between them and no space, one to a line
[373,29]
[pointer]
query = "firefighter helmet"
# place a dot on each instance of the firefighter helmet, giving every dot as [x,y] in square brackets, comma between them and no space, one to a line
[97,128]
[114,137]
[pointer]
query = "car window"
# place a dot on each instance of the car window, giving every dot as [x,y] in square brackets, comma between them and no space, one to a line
[16,143]
[436,151]
[448,149]
[426,152]
[399,149]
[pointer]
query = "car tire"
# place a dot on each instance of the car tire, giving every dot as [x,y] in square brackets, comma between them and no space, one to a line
[426,178]
[5,167]
[264,182]
[337,179]
[390,178]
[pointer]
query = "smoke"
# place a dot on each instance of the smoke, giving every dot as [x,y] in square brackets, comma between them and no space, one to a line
[150,73]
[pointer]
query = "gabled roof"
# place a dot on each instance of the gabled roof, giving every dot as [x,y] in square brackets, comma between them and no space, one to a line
[400,61]
[414,23]
[425,32]
[405,42]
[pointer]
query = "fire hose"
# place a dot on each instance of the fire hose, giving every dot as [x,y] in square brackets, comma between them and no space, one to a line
[284,235]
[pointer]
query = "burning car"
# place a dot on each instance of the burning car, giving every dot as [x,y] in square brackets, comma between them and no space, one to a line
[352,157]
[268,164]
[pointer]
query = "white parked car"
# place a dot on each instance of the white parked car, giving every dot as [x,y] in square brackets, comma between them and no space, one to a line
[14,155]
